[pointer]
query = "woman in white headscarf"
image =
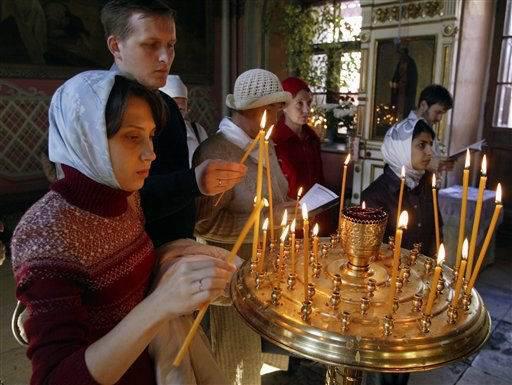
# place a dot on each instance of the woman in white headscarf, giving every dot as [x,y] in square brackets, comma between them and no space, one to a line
[410,146]
[81,258]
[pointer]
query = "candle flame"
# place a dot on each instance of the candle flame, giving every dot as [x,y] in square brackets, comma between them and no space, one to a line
[285,218]
[433,180]
[294,223]
[304,212]
[315,230]
[265,202]
[402,173]
[299,193]
[284,234]
[263,121]
[402,221]
[347,160]
[484,165]
[465,247]
[498,194]
[269,132]
[440,255]
[363,206]
[265,225]
[468,159]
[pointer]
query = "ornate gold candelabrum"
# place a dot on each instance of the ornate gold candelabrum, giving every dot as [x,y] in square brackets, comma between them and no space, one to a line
[343,322]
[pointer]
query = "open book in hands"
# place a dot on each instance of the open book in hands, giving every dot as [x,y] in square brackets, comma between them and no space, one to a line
[318,199]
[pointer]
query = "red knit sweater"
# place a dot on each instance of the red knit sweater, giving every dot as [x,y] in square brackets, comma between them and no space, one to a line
[300,158]
[81,261]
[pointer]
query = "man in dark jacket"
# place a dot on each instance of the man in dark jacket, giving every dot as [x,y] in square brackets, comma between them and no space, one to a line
[141,35]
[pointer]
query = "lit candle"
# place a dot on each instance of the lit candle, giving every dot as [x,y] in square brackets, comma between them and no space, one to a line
[363,205]
[343,183]
[259,182]
[463,209]
[488,237]
[436,214]
[299,194]
[284,220]
[460,274]
[476,220]
[306,249]
[269,184]
[401,195]
[315,242]
[263,245]
[231,257]
[435,280]
[292,247]
[284,234]
[402,225]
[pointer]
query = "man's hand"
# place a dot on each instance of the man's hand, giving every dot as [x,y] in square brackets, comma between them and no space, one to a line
[215,176]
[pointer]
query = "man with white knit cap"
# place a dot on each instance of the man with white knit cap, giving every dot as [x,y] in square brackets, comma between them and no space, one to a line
[236,347]
[176,89]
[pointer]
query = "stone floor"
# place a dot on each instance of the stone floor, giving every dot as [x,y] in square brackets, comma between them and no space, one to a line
[492,365]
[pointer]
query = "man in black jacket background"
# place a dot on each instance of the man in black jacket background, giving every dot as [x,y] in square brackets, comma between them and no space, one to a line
[141,35]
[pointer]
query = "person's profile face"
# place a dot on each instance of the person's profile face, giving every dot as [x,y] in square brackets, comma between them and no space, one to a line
[432,114]
[421,151]
[131,147]
[297,111]
[148,51]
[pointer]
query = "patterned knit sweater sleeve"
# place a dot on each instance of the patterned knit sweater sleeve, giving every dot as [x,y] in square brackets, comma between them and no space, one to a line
[73,294]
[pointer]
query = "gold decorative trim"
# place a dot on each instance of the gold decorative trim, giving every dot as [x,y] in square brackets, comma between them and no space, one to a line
[450,30]
[410,11]
[363,72]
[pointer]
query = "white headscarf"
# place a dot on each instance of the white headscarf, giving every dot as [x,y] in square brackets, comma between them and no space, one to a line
[396,150]
[78,133]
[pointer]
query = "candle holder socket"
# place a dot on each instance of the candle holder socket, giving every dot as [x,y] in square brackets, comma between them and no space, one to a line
[275,296]
[257,280]
[406,273]
[345,321]
[317,269]
[364,306]
[371,286]
[254,264]
[466,301]
[336,282]
[312,259]
[429,263]
[391,243]
[455,278]
[334,300]
[388,325]
[306,310]
[311,291]
[417,303]
[290,282]
[441,284]
[396,304]
[324,252]
[413,257]
[425,323]
[452,314]
[399,284]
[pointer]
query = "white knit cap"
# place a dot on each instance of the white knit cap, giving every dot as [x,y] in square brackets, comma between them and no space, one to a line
[174,87]
[255,88]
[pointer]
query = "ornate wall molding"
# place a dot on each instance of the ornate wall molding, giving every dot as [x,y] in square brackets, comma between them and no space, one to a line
[410,11]
[202,108]
[23,131]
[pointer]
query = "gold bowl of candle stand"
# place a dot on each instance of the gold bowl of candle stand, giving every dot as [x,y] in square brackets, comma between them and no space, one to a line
[361,233]
[345,325]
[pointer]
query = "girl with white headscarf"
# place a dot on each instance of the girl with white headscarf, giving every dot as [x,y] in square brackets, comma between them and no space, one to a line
[408,144]
[81,258]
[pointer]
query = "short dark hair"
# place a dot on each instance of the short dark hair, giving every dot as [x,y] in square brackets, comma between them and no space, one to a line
[118,99]
[435,93]
[115,15]
[422,126]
